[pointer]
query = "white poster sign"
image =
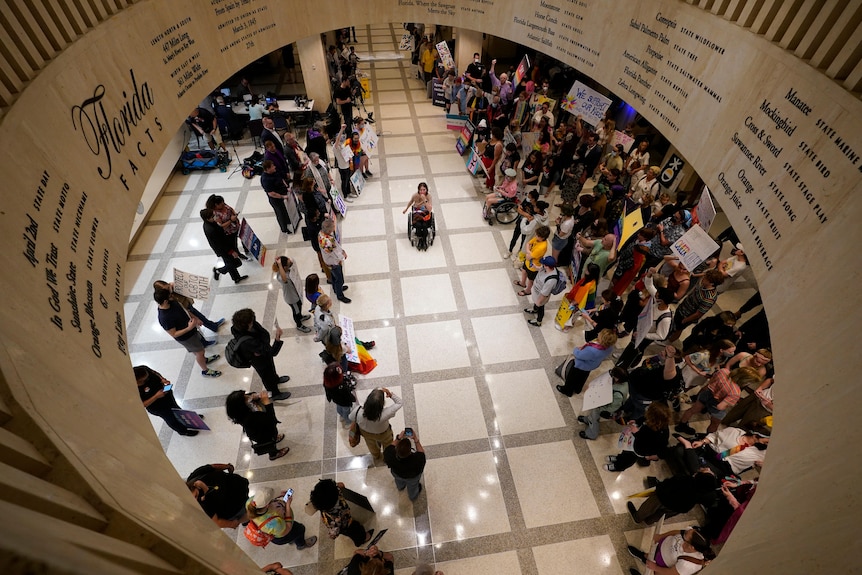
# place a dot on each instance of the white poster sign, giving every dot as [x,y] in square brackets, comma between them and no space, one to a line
[600,392]
[445,55]
[705,210]
[368,139]
[622,138]
[191,285]
[586,102]
[348,339]
[694,247]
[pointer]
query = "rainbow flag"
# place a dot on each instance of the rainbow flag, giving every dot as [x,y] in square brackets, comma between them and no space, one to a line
[521,70]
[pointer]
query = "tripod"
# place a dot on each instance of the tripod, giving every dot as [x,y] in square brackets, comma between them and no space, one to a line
[238,167]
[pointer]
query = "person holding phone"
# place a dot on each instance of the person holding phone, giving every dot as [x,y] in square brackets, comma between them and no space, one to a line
[158,397]
[273,516]
[406,464]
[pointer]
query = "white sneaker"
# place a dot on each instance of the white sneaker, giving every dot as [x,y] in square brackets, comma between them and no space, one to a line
[507,255]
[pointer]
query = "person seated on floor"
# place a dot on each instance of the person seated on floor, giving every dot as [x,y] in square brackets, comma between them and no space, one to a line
[650,439]
[722,392]
[679,552]
[709,330]
[728,452]
[619,393]
[678,494]
[657,379]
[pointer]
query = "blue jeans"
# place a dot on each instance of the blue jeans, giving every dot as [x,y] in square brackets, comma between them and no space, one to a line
[337,281]
[412,484]
[343,412]
[207,323]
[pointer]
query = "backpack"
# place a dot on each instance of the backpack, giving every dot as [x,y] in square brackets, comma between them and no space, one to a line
[560,286]
[257,537]
[232,352]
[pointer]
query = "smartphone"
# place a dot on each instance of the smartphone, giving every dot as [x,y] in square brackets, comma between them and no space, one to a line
[168,387]
[288,494]
[408,432]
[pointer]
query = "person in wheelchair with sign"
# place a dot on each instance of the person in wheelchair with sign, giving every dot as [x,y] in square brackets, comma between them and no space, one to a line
[421,229]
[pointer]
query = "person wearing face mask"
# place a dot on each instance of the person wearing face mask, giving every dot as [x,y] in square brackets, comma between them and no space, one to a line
[612,160]
[475,69]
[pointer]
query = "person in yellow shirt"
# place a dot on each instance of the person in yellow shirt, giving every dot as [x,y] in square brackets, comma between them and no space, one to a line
[429,55]
[533,254]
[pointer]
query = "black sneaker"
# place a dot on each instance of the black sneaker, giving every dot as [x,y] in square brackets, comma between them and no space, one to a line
[531,310]
[637,553]
[344,299]
[280,396]
[241,278]
[284,379]
[215,274]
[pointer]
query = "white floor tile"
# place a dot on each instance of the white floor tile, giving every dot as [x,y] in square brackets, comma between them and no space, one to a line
[514,414]
[427,295]
[438,345]
[517,344]
[536,470]
[434,402]
[464,498]
[593,555]
[488,289]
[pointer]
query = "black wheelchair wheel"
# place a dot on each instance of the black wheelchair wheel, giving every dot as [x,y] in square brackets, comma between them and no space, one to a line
[506,213]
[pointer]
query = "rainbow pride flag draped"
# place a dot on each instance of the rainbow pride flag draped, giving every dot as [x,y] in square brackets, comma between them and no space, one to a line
[366,362]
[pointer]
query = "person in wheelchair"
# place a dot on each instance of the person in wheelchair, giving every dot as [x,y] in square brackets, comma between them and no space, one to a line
[505,191]
[420,222]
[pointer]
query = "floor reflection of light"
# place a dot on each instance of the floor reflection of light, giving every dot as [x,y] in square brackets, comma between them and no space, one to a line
[246,379]
[194,243]
[606,559]
[472,514]
[244,439]
[497,445]
[459,531]
[356,463]
[386,323]
[246,457]
[490,479]
[422,538]
[484,494]
[387,510]
[249,474]
[616,495]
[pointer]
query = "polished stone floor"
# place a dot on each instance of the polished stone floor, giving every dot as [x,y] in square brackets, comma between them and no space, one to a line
[509,487]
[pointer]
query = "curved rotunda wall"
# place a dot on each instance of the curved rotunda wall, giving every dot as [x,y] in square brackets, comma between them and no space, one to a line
[777,142]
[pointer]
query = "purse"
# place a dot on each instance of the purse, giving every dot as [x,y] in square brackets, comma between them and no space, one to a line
[355,432]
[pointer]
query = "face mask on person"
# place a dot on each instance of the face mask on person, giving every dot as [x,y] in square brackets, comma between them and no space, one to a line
[613,154]
[476,60]
[727,353]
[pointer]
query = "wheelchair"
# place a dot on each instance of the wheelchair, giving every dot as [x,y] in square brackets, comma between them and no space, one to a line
[504,212]
[421,229]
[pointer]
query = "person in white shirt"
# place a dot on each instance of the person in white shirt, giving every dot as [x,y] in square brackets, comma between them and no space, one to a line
[679,552]
[373,420]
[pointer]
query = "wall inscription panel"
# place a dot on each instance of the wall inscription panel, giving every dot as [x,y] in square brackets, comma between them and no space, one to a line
[777,142]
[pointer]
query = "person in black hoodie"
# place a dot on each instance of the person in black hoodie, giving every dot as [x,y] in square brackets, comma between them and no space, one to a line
[222,245]
[256,349]
[339,390]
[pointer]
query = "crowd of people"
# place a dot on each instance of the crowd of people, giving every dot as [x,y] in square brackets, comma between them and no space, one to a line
[612,289]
